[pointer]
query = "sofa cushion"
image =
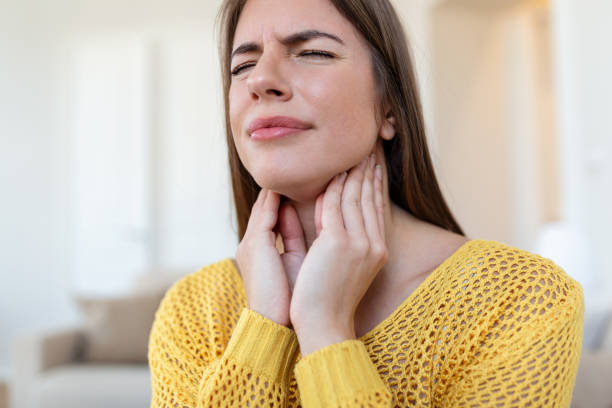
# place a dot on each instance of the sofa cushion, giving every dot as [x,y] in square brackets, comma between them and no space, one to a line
[92,386]
[606,341]
[151,280]
[116,328]
[592,388]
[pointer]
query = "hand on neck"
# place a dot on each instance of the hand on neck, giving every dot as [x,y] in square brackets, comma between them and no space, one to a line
[305,213]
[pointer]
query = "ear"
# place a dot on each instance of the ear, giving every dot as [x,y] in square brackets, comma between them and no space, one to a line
[387,128]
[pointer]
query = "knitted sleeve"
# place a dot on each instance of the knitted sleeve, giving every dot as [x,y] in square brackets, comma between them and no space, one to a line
[530,355]
[193,363]
[340,375]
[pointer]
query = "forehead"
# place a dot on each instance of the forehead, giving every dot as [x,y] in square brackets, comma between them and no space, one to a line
[264,20]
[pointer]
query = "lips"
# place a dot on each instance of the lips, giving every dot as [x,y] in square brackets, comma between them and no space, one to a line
[273,133]
[278,125]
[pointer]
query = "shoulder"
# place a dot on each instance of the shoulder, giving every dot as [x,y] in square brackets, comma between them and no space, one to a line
[511,264]
[195,317]
[202,291]
[200,308]
[533,284]
[206,280]
[505,300]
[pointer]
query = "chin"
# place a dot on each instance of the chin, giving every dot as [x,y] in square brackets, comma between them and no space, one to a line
[300,190]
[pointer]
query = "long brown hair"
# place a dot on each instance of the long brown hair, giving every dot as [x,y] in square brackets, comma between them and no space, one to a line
[412,181]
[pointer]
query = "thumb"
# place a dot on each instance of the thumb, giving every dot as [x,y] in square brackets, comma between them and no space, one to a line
[290,228]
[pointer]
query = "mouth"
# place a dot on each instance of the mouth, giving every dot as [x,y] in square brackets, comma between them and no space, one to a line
[274,133]
[274,127]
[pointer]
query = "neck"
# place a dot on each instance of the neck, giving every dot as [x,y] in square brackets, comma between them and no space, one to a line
[398,224]
[306,213]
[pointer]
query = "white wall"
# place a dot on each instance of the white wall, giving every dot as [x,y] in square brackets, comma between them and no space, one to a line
[195,205]
[33,213]
[583,62]
[37,179]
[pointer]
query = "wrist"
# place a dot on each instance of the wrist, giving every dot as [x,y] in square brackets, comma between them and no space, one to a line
[316,335]
[321,319]
[275,317]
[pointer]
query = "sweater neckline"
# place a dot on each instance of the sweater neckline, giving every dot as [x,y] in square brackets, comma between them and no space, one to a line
[393,315]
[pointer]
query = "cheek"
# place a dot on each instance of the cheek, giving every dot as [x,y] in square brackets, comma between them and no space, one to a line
[344,103]
[236,108]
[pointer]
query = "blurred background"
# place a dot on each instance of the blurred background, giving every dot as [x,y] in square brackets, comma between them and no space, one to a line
[114,181]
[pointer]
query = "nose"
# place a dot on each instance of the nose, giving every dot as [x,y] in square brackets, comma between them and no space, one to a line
[266,80]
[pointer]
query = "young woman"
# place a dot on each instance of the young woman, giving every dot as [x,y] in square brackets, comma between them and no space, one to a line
[352,285]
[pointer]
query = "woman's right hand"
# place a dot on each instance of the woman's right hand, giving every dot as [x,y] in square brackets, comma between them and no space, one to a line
[268,276]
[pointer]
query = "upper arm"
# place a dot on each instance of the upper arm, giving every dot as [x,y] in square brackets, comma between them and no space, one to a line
[191,330]
[529,355]
[173,367]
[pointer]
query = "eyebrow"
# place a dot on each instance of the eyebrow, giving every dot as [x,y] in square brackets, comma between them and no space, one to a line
[292,39]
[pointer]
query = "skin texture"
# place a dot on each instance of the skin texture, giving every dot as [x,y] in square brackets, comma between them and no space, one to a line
[338,237]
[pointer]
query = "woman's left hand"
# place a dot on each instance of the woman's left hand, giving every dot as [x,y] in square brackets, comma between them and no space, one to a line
[343,260]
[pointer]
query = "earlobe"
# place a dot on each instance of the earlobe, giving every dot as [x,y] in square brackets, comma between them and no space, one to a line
[387,130]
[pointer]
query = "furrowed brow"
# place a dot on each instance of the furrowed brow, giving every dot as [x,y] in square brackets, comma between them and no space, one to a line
[293,39]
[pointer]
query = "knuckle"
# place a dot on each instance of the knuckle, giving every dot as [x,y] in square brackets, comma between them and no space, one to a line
[361,246]
[383,256]
[338,243]
[379,252]
[329,203]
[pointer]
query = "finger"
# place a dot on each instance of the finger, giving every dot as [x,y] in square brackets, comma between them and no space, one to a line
[261,196]
[379,202]
[290,228]
[318,211]
[351,201]
[253,218]
[267,214]
[331,215]
[370,217]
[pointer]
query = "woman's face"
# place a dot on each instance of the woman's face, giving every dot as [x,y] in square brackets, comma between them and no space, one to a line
[335,96]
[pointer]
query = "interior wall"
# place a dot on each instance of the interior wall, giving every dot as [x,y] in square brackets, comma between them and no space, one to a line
[583,63]
[546,113]
[494,116]
[34,269]
[36,235]
[470,99]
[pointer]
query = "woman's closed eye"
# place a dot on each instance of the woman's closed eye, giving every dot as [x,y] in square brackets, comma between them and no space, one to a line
[313,53]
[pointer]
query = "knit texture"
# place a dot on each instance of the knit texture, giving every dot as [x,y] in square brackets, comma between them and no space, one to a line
[492,326]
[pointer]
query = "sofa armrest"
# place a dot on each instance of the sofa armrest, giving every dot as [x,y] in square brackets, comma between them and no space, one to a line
[592,388]
[37,351]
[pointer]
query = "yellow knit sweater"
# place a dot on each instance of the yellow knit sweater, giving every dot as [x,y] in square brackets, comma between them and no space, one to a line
[492,326]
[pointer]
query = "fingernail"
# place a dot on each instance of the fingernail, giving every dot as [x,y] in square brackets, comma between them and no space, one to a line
[372,160]
[343,177]
[379,171]
[363,163]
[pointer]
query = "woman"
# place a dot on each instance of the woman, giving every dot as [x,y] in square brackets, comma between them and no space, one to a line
[352,284]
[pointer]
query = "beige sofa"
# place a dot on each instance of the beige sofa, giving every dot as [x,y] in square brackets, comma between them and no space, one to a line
[102,363]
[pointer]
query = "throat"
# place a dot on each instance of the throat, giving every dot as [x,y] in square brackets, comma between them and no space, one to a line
[378,303]
[384,297]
